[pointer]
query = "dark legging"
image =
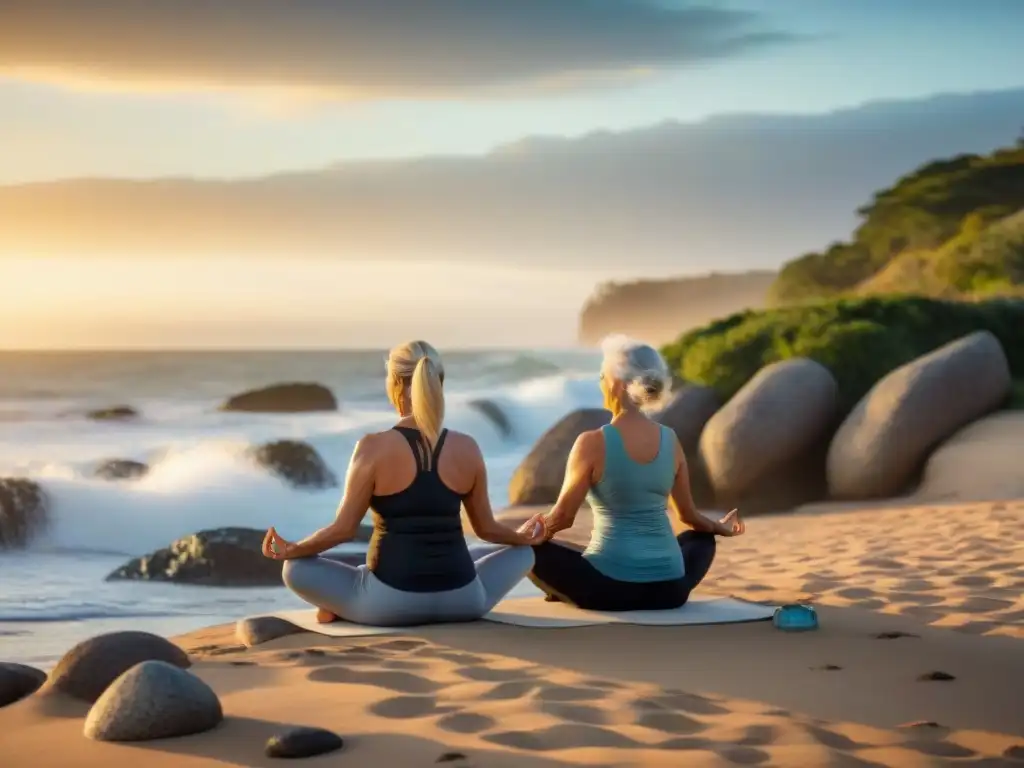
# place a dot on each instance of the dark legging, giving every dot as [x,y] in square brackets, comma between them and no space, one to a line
[564,574]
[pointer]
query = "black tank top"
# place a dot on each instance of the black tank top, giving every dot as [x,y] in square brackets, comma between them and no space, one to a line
[417,543]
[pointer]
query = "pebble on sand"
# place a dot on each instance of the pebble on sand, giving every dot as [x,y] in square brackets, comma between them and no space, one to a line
[88,668]
[262,629]
[18,681]
[303,742]
[153,700]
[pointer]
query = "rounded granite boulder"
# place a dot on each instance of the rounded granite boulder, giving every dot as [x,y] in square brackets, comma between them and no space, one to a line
[90,667]
[883,443]
[538,479]
[780,414]
[24,512]
[18,681]
[298,397]
[153,700]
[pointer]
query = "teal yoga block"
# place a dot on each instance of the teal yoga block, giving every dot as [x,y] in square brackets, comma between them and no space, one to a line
[795,618]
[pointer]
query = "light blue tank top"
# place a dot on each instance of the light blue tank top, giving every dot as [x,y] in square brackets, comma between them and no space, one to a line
[632,538]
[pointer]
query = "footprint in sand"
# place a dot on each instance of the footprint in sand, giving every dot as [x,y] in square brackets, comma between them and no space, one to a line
[506,691]
[566,693]
[855,593]
[451,757]
[669,722]
[676,701]
[939,748]
[758,736]
[936,676]
[576,713]
[482,674]
[409,708]
[832,740]
[402,665]
[973,581]
[561,737]
[466,722]
[400,682]
[686,742]
[745,755]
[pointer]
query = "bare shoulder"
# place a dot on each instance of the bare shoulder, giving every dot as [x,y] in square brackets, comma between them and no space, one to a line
[371,444]
[589,444]
[463,444]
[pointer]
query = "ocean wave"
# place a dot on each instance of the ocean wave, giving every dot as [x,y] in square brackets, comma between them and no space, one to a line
[201,475]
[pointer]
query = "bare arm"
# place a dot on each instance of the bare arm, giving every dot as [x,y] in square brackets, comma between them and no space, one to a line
[579,476]
[480,513]
[354,503]
[681,497]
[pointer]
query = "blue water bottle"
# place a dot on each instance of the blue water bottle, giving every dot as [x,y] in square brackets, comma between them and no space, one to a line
[795,618]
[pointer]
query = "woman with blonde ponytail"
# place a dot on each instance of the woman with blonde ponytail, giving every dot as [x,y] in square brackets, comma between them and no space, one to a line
[415,478]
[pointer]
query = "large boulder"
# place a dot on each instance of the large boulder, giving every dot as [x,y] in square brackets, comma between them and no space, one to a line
[113,413]
[283,398]
[220,557]
[121,469]
[884,442]
[770,434]
[87,670]
[538,479]
[24,510]
[297,463]
[686,413]
[981,462]
[18,681]
[153,700]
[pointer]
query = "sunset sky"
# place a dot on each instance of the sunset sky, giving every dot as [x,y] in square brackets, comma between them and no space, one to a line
[137,89]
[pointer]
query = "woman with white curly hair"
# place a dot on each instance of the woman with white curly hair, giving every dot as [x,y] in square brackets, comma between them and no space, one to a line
[631,471]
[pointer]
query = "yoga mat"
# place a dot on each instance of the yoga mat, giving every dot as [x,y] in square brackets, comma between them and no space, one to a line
[535,612]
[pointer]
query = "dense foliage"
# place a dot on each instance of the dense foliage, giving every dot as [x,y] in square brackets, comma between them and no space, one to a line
[952,223]
[860,340]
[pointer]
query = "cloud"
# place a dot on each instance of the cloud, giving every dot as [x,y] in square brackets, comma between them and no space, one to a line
[363,48]
[728,193]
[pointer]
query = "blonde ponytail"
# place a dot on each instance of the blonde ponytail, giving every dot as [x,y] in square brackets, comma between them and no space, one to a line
[427,395]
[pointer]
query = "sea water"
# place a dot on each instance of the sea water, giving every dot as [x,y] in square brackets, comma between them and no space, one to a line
[54,593]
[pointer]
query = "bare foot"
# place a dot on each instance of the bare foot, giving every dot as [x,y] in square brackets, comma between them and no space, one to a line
[323,616]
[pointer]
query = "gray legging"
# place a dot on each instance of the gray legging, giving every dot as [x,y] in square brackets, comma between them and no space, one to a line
[355,594]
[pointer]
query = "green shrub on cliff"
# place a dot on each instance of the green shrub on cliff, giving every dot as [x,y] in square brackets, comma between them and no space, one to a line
[859,340]
[936,214]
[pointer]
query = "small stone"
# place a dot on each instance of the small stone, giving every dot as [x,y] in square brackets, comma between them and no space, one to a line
[153,700]
[88,668]
[937,675]
[894,635]
[450,757]
[18,681]
[121,469]
[115,413]
[262,629]
[303,742]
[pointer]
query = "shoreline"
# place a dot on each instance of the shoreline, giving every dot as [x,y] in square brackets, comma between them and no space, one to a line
[902,593]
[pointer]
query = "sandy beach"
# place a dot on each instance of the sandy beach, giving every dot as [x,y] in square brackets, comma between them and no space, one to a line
[902,593]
